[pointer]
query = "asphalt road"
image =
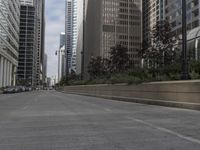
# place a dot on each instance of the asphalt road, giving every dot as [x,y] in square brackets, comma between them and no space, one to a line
[57,121]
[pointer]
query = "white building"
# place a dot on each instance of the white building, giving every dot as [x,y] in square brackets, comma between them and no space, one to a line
[73,20]
[9,41]
[68,32]
[79,47]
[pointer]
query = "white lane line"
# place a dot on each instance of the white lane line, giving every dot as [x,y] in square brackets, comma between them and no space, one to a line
[187,138]
[25,107]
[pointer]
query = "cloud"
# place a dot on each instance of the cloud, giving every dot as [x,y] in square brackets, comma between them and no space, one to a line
[55,24]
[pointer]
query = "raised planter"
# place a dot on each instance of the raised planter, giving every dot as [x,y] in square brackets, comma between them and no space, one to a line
[172,93]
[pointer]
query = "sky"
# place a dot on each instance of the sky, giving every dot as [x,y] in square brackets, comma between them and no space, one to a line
[55,24]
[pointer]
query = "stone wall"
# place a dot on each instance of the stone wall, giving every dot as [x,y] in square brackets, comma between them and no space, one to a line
[187,92]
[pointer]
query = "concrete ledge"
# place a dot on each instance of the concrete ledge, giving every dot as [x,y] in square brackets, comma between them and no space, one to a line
[183,94]
[184,105]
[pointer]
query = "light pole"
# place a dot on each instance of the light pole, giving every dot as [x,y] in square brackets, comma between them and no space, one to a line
[185,73]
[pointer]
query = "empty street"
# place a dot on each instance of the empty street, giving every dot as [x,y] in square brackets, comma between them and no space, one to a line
[48,120]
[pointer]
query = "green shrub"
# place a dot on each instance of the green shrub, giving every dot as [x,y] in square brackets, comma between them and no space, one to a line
[194,75]
[141,73]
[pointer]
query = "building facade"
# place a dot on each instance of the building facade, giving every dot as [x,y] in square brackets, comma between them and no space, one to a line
[26,72]
[40,40]
[173,13]
[153,11]
[61,63]
[71,29]
[74,34]
[31,69]
[69,33]
[111,22]
[9,41]
[79,46]
[62,55]
[62,39]
[27,2]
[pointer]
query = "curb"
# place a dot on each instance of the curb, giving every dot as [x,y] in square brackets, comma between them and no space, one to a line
[185,105]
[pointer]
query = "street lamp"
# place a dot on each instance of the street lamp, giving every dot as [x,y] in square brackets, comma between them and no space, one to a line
[185,73]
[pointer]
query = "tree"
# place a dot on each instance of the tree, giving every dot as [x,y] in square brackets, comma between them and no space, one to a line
[119,58]
[98,67]
[162,50]
[63,81]
[195,66]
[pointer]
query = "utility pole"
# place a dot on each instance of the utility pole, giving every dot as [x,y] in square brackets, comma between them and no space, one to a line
[185,73]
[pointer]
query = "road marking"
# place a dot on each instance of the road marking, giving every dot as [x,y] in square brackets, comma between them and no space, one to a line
[187,138]
[25,107]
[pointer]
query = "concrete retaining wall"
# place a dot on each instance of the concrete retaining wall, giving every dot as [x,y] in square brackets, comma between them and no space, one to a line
[172,93]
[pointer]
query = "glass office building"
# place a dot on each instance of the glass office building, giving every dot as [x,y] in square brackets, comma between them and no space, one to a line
[69,33]
[173,13]
[153,11]
[121,24]
[111,22]
[74,35]
[27,50]
[9,41]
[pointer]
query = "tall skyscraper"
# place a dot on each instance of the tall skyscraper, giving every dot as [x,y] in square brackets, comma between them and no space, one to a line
[9,41]
[74,34]
[153,11]
[26,72]
[40,40]
[61,57]
[31,69]
[111,22]
[68,32]
[62,39]
[71,29]
[79,47]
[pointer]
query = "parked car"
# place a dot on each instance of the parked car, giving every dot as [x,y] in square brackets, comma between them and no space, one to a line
[9,90]
[27,89]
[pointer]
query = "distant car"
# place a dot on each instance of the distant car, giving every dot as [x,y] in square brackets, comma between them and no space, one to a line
[23,88]
[9,90]
[28,89]
[50,88]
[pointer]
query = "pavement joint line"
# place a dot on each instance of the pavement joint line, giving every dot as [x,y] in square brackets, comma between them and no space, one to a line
[162,129]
